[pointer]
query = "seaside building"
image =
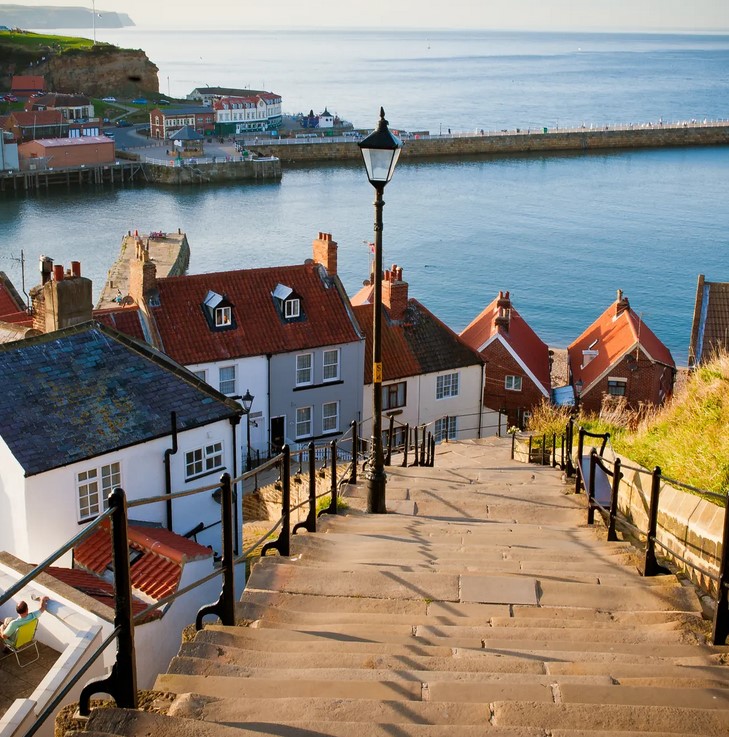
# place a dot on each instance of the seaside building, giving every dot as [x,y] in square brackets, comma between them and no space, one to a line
[27,126]
[620,356]
[517,373]
[163,122]
[23,86]
[72,107]
[207,95]
[710,327]
[254,112]
[430,376]
[58,153]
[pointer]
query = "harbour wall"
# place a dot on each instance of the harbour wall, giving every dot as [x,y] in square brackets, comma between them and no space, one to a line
[224,171]
[714,134]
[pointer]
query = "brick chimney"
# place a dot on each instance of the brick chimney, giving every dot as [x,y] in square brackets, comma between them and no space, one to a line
[61,300]
[503,316]
[325,252]
[142,273]
[395,293]
[621,303]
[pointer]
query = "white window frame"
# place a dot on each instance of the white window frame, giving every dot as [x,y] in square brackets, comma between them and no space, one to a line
[512,383]
[205,460]
[292,308]
[330,420]
[303,371]
[93,486]
[387,392]
[223,383]
[446,386]
[223,317]
[304,427]
[439,429]
[331,367]
[201,374]
[617,380]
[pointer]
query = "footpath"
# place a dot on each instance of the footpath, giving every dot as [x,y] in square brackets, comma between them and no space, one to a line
[486,606]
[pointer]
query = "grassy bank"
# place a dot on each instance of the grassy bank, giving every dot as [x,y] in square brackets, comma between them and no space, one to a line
[687,437]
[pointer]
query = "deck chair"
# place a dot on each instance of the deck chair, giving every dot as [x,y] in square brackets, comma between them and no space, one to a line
[24,640]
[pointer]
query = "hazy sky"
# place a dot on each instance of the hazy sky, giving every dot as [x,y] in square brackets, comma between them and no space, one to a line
[608,15]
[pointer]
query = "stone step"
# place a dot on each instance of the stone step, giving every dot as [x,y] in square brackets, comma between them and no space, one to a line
[354,678]
[624,672]
[133,723]
[696,698]
[233,711]
[611,718]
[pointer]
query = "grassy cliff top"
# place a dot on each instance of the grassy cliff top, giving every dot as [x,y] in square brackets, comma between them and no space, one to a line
[42,42]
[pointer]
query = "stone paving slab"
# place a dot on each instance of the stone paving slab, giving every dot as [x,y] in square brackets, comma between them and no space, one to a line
[695,698]
[498,590]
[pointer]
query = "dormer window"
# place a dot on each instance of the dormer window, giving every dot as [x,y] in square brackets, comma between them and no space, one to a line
[218,311]
[292,308]
[288,303]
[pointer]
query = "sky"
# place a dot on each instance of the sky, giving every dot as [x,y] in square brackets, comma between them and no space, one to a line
[556,15]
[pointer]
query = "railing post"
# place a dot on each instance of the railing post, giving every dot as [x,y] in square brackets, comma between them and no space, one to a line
[309,524]
[720,631]
[529,456]
[283,543]
[422,444]
[407,446]
[355,452]
[544,446]
[554,450]
[224,607]
[121,683]
[614,491]
[332,508]
[415,436]
[569,430]
[513,444]
[578,469]
[591,488]
[432,450]
[390,431]
[651,566]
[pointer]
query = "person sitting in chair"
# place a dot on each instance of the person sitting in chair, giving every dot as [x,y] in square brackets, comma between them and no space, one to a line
[11,624]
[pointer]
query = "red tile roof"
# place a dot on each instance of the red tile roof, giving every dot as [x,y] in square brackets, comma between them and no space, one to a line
[157,572]
[27,83]
[124,319]
[524,342]
[36,117]
[258,327]
[615,333]
[418,344]
[97,588]
[11,304]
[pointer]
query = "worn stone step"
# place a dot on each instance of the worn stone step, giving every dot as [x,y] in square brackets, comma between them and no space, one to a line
[133,723]
[697,698]
[240,712]
[229,686]
[611,718]
[626,672]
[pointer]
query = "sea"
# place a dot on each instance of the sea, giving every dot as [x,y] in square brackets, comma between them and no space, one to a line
[560,232]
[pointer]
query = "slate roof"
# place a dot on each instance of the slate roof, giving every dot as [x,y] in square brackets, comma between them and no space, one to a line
[526,344]
[157,571]
[613,336]
[186,133]
[88,390]
[710,329]
[418,344]
[258,327]
[99,589]
[174,112]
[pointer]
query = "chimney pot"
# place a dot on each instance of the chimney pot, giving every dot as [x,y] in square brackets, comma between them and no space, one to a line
[58,272]
[76,268]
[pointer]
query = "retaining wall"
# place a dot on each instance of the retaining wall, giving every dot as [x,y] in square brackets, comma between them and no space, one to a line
[226,171]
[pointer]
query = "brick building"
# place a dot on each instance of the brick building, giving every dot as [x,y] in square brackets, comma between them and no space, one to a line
[517,373]
[619,356]
[59,153]
[163,123]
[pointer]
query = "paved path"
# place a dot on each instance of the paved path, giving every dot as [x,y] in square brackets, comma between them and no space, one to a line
[490,609]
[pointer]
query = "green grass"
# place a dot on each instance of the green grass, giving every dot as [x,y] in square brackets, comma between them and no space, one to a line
[42,41]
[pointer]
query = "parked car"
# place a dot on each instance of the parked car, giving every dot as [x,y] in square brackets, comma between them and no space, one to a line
[163,102]
[10,98]
[109,134]
[123,123]
[139,101]
[108,99]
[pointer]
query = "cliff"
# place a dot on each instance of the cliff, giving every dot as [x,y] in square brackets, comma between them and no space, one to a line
[46,16]
[72,64]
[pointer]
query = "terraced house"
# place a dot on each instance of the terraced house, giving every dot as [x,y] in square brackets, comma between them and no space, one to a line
[260,111]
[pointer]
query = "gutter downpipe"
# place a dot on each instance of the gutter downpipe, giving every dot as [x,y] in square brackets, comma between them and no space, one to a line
[168,474]
[480,402]
[234,421]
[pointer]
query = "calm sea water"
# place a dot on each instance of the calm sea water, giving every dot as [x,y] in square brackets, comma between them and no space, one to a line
[562,233]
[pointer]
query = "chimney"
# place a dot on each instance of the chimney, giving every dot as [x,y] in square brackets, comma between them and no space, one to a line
[395,293]
[325,252]
[503,301]
[46,268]
[142,273]
[503,316]
[621,303]
[62,301]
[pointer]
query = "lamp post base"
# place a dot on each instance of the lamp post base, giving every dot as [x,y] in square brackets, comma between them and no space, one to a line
[376,482]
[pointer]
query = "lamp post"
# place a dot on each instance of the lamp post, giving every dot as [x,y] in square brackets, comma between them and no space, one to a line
[247,402]
[380,151]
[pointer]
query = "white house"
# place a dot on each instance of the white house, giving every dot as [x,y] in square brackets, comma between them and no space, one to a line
[85,409]
[430,376]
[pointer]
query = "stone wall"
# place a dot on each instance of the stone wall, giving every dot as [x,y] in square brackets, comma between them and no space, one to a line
[226,171]
[510,143]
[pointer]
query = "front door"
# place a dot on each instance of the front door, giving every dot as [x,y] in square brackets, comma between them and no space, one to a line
[278,433]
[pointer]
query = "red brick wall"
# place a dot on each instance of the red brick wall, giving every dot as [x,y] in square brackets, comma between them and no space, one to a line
[69,155]
[646,383]
[499,364]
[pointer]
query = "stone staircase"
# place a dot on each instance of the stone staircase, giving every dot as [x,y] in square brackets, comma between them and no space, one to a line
[486,607]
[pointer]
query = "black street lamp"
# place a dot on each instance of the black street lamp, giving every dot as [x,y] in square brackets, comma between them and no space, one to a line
[247,402]
[380,151]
